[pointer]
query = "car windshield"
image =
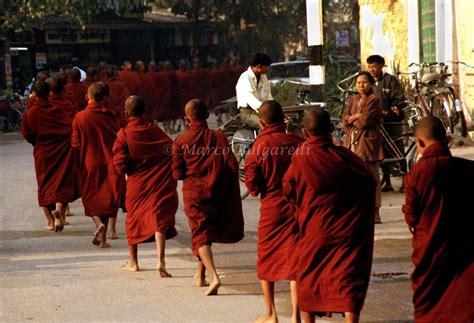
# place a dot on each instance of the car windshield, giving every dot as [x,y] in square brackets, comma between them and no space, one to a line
[289,70]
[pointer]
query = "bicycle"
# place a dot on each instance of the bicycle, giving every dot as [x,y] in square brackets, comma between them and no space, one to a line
[11,110]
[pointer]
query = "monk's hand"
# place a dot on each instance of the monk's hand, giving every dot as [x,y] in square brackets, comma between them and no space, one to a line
[412,229]
[395,110]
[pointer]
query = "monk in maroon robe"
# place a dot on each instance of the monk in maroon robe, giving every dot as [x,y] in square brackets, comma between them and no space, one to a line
[204,161]
[216,76]
[76,91]
[47,127]
[266,163]
[201,80]
[40,76]
[187,91]
[91,77]
[147,91]
[333,191]
[163,94]
[436,192]
[130,78]
[57,84]
[94,133]
[118,93]
[173,111]
[140,151]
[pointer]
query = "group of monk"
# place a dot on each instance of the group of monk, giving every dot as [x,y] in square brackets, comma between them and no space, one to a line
[316,226]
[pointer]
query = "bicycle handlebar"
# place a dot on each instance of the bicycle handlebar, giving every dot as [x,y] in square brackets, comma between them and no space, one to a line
[459,62]
[338,84]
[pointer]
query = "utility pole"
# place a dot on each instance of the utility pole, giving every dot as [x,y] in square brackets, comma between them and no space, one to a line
[314,15]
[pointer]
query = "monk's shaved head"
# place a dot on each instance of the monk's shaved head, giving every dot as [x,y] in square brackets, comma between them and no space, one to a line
[57,83]
[41,89]
[140,65]
[271,112]
[109,71]
[431,128]
[42,76]
[98,91]
[317,122]
[196,110]
[75,74]
[135,106]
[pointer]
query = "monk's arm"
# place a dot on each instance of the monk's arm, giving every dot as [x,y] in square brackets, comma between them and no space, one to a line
[76,135]
[289,185]
[410,208]
[121,157]
[370,115]
[253,173]
[179,165]
[26,130]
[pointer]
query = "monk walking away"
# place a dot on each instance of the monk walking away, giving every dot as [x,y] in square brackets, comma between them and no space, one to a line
[436,192]
[203,160]
[140,151]
[94,134]
[47,126]
[266,163]
[333,191]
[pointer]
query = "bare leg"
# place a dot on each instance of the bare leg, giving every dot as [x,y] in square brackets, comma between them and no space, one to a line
[49,218]
[103,242]
[377,218]
[112,228]
[160,250]
[99,238]
[295,316]
[200,276]
[58,220]
[68,210]
[308,317]
[351,317]
[270,315]
[205,252]
[132,265]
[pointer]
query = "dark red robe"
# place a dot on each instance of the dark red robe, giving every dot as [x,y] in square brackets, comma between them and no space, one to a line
[163,96]
[58,99]
[187,88]
[266,163]
[47,127]
[142,152]
[333,191]
[229,79]
[88,81]
[147,91]
[174,110]
[131,80]
[116,100]
[76,93]
[204,161]
[94,133]
[437,191]
[216,80]
[202,83]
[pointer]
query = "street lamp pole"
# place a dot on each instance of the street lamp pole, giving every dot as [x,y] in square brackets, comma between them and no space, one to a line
[314,15]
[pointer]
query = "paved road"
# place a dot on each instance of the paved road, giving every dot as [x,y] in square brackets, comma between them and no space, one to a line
[46,276]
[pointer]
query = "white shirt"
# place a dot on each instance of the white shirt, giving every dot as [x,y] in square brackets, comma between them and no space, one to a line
[83,74]
[251,94]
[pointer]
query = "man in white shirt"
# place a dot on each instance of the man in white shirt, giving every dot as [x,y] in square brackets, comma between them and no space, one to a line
[253,89]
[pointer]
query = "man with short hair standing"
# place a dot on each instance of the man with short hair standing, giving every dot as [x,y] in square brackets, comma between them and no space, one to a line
[253,89]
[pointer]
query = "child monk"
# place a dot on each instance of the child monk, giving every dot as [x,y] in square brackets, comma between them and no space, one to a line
[47,127]
[437,191]
[333,191]
[204,161]
[266,163]
[140,151]
[94,133]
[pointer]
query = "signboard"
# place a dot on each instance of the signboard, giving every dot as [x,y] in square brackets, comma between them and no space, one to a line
[41,60]
[77,36]
[342,38]
[8,70]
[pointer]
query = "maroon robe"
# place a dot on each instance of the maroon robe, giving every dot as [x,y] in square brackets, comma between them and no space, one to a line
[266,163]
[436,191]
[116,100]
[163,96]
[333,191]
[131,80]
[202,83]
[187,88]
[229,80]
[147,91]
[216,95]
[76,93]
[58,99]
[94,133]
[202,158]
[47,127]
[140,151]
[174,110]
[88,81]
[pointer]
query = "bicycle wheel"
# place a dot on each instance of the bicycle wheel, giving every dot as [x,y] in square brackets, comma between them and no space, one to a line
[240,152]
[439,107]
[14,120]
[458,116]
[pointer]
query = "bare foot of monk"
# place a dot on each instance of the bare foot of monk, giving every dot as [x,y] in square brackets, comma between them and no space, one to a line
[265,319]
[95,237]
[162,271]
[104,245]
[58,223]
[113,235]
[128,266]
[214,286]
[200,280]
[49,227]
